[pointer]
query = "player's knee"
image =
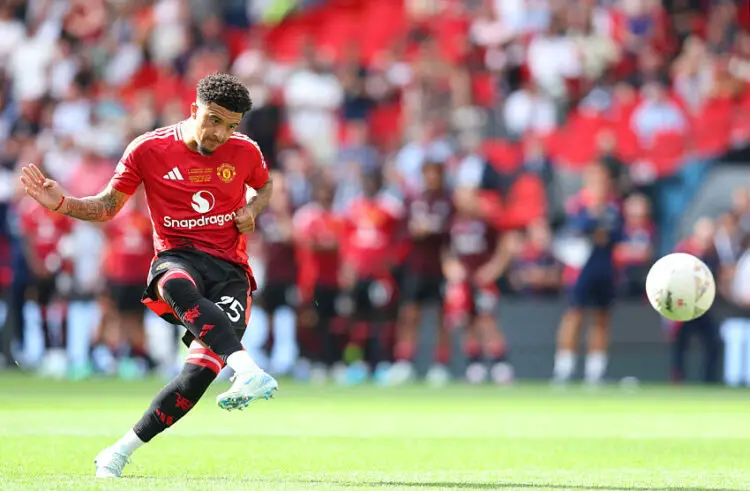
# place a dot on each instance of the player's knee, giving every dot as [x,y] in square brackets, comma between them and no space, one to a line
[178,288]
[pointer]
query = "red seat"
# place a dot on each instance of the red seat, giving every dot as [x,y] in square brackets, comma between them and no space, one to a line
[385,125]
[667,152]
[503,155]
[524,203]
[628,147]
[483,89]
[712,128]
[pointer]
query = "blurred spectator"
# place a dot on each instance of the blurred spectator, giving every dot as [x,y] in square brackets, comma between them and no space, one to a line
[635,254]
[693,73]
[741,208]
[527,110]
[722,26]
[701,245]
[606,142]
[735,331]
[534,270]
[430,143]
[656,114]
[553,59]
[596,50]
[313,95]
[356,157]
[739,61]
[729,239]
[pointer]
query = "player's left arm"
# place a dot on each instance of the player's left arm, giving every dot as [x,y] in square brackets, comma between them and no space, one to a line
[245,218]
[260,180]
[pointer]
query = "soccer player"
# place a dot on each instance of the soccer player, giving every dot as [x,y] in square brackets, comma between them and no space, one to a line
[318,232]
[195,175]
[476,260]
[368,259]
[429,216]
[276,316]
[42,232]
[594,215]
[127,259]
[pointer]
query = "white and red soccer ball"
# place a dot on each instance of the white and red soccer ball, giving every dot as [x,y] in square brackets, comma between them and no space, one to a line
[680,287]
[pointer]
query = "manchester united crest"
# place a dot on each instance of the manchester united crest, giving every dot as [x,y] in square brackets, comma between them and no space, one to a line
[226,172]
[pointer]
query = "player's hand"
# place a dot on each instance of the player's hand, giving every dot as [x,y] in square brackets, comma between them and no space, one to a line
[244,220]
[47,192]
[486,275]
[418,228]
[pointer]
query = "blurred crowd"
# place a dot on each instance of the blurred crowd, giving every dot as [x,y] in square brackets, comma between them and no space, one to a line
[362,109]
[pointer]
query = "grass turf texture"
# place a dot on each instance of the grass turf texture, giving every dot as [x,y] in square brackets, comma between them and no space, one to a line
[460,437]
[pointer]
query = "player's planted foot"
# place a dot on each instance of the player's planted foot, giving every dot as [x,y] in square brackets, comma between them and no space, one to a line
[110,463]
[247,387]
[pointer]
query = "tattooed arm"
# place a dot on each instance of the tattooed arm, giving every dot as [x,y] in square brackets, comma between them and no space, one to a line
[100,208]
[245,218]
[49,194]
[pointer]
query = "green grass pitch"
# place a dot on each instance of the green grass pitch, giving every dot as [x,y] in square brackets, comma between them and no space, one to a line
[333,438]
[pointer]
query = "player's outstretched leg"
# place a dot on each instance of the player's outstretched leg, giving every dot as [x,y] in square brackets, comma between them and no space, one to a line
[170,404]
[211,326]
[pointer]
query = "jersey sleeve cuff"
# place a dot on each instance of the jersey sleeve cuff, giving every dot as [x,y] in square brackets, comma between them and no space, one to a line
[122,187]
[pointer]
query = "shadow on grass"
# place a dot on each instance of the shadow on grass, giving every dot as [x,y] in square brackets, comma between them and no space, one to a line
[503,485]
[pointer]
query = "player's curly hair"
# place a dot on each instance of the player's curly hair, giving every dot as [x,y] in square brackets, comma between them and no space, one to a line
[225,90]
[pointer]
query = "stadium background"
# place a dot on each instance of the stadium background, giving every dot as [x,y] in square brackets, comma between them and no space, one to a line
[528,91]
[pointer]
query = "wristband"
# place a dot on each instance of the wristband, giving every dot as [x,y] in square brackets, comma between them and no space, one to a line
[61,203]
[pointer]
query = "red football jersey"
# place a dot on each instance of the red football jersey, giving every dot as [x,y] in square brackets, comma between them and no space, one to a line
[43,230]
[278,250]
[129,247]
[473,242]
[315,225]
[193,198]
[373,225]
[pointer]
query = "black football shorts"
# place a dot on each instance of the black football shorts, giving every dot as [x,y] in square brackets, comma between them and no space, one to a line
[224,283]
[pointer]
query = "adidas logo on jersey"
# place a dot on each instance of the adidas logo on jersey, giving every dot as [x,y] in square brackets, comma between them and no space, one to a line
[174,175]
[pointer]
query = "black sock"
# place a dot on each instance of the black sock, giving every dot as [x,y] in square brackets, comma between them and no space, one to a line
[174,400]
[331,348]
[201,317]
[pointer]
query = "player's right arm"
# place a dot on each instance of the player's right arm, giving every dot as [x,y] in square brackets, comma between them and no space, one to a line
[49,194]
[100,208]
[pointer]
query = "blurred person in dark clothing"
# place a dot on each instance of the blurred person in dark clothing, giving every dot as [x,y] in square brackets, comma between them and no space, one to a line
[353,75]
[428,217]
[606,142]
[477,259]
[595,217]
[701,245]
